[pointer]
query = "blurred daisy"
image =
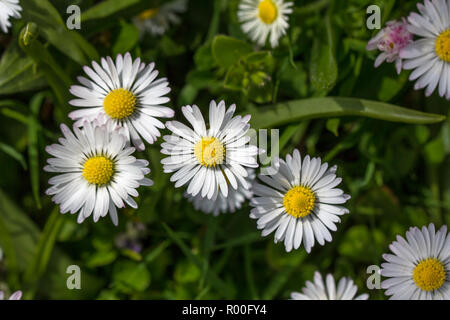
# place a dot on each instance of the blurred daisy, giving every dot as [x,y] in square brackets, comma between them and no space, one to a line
[264,18]
[126,92]
[15,296]
[430,55]
[320,290]
[158,20]
[211,159]
[96,172]
[390,40]
[8,8]
[220,204]
[419,269]
[299,202]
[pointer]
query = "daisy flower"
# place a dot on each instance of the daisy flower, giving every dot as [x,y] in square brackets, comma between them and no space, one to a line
[419,268]
[15,296]
[8,8]
[390,41]
[96,172]
[127,93]
[158,20]
[209,159]
[220,204]
[300,202]
[320,290]
[262,19]
[430,55]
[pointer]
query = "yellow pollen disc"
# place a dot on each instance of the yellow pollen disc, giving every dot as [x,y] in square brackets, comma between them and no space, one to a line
[442,46]
[267,11]
[209,152]
[98,170]
[147,14]
[429,274]
[299,201]
[119,104]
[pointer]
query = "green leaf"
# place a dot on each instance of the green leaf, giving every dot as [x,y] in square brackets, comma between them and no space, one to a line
[131,276]
[54,29]
[323,67]
[17,73]
[333,126]
[13,153]
[435,151]
[331,107]
[127,39]
[227,50]
[101,258]
[106,8]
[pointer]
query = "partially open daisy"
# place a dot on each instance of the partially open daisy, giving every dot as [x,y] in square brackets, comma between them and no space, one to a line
[390,41]
[320,290]
[96,172]
[8,9]
[262,19]
[300,202]
[220,204]
[209,159]
[430,55]
[127,93]
[158,20]
[419,268]
[15,296]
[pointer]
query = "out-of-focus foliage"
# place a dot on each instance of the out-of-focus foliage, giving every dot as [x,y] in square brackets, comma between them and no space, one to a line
[396,172]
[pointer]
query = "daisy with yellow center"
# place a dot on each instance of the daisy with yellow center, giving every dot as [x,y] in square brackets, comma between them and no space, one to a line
[126,92]
[429,56]
[96,172]
[157,21]
[419,268]
[211,160]
[299,202]
[264,19]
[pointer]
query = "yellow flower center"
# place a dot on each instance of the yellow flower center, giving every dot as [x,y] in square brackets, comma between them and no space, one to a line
[209,152]
[119,103]
[147,14]
[429,274]
[299,201]
[442,46]
[267,11]
[98,170]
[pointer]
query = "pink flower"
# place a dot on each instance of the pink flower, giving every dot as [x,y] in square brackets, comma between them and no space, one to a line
[390,40]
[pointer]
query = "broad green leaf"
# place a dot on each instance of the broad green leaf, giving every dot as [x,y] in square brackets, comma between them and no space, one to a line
[17,73]
[323,67]
[227,50]
[127,39]
[331,107]
[129,276]
[106,8]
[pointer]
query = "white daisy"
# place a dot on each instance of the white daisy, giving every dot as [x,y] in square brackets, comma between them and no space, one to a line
[126,92]
[210,159]
[299,202]
[158,20]
[15,296]
[264,18]
[419,269]
[8,8]
[96,172]
[430,55]
[220,204]
[320,290]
